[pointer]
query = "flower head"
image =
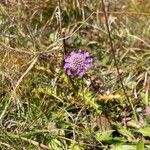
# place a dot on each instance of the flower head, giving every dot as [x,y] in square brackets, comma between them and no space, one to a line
[77,63]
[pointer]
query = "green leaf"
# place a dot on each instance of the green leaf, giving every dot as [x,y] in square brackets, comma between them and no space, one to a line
[75,147]
[53,36]
[104,136]
[105,60]
[124,147]
[140,145]
[89,99]
[55,144]
[126,133]
[145,131]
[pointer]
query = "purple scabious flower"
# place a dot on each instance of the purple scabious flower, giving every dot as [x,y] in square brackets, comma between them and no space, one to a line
[77,63]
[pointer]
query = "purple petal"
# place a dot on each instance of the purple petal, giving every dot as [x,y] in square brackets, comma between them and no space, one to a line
[88,65]
[69,72]
[89,60]
[81,73]
[73,53]
[67,65]
[68,59]
[86,54]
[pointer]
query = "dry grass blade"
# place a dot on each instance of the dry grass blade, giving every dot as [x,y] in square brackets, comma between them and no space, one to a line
[13,93]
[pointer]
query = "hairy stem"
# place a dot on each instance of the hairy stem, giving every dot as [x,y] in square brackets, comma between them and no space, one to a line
[105,4]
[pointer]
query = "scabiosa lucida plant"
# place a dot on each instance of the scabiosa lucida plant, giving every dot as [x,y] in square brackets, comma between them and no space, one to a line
[77,63]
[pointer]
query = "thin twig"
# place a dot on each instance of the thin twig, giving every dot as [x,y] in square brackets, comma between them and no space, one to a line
[104,3]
